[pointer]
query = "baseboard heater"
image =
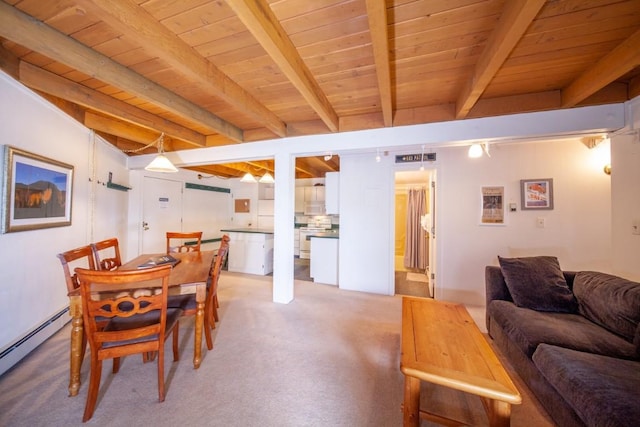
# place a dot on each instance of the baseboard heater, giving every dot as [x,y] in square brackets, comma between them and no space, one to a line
[18,350]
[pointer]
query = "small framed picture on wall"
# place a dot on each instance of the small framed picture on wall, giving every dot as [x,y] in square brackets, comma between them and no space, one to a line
[536,194]
[492,205]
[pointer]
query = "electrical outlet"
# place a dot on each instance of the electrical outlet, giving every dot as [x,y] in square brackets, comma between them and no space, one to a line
[540,222]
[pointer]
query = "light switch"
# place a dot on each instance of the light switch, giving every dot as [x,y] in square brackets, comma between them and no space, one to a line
[540,222]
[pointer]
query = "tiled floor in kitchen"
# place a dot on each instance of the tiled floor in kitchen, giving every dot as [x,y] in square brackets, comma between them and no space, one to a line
[301,269]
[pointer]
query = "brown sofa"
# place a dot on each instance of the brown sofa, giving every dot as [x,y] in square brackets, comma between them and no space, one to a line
[573,337]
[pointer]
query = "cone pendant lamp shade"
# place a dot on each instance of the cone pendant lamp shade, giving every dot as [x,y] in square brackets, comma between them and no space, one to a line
[161,164]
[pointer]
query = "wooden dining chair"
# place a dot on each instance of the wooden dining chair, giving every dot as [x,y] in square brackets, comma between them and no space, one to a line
[78,257]
[183,246]
[212,305]
[137,324]
[107,254]
[188,304]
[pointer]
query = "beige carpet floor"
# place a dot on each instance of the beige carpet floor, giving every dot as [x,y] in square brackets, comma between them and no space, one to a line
[329,358]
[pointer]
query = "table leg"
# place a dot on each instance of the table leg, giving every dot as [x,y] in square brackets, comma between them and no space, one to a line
[499,412]
[77,341]
[411,416]
[197,349]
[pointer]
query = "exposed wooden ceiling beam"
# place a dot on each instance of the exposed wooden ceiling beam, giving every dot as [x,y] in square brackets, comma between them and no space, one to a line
[624,58]
[35,35]
[119,128]
[217,170]
[260,20]
[44,81]
[513,22]
[377,15]
[133,21]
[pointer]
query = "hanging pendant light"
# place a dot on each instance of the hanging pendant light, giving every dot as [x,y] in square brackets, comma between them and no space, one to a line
[248,178]
[267,178]
[161,163]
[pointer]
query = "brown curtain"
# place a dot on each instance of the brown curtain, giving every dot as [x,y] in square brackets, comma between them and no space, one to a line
[415,252]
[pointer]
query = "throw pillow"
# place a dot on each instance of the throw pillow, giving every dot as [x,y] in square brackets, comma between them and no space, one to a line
[610,301]
[538,283]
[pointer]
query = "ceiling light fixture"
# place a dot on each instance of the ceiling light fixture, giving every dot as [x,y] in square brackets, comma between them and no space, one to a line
[328,157]
[248,178]
[267,178]
[161,163]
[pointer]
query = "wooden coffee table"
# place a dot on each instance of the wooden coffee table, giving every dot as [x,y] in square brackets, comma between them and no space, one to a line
[441,344]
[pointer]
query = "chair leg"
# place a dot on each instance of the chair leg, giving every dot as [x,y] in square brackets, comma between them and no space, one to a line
[161,374]
[207,332]
[94,385]
[116,365]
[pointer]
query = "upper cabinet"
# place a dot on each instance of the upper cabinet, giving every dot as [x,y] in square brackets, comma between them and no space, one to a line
[299,201]
[332,192]
[314,194]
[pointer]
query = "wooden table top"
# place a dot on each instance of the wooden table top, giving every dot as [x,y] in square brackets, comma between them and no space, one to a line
[194,267]
[441,344]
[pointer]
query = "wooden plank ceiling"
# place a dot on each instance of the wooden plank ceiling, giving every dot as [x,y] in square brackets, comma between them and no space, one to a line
[208,73]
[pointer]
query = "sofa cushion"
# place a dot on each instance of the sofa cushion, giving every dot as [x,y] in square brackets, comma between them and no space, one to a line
[602,390]
[538,283]
[610,301]
[528,328]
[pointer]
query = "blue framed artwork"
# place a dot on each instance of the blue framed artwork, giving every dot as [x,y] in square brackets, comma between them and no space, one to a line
[37,191]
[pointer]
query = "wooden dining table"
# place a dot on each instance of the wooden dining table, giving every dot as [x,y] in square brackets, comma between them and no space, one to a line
[190,275]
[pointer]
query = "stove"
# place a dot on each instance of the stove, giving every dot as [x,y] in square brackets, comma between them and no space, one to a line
[316,225]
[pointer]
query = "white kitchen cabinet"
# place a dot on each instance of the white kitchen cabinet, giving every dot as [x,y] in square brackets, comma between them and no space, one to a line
[296,242]
[250,253]
[324,260]
[332,192]
[299,200]
[314,194]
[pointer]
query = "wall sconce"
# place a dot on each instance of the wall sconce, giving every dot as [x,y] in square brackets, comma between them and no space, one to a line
[476,150]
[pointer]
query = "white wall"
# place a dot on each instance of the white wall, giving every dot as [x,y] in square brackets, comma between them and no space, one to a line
[366,245]
[201,210]
[32,286]
[625,194]
[577,230]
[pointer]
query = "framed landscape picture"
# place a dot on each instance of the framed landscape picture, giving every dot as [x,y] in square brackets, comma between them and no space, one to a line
[536,194]
[37,191]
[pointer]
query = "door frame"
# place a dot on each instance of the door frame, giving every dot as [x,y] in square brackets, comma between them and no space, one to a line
[434,247]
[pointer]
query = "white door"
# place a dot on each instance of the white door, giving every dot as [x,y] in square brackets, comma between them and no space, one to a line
[161,212]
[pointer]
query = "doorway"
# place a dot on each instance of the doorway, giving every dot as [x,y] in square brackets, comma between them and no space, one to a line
[413,255]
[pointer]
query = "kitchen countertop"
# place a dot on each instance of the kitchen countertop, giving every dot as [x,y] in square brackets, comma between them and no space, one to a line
[325,235]
[248,230]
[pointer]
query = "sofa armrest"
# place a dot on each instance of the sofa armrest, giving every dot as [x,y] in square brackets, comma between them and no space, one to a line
[495,288]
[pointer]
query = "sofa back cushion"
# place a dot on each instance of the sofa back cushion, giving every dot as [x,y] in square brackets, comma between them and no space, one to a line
[610,301]
[538,283]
